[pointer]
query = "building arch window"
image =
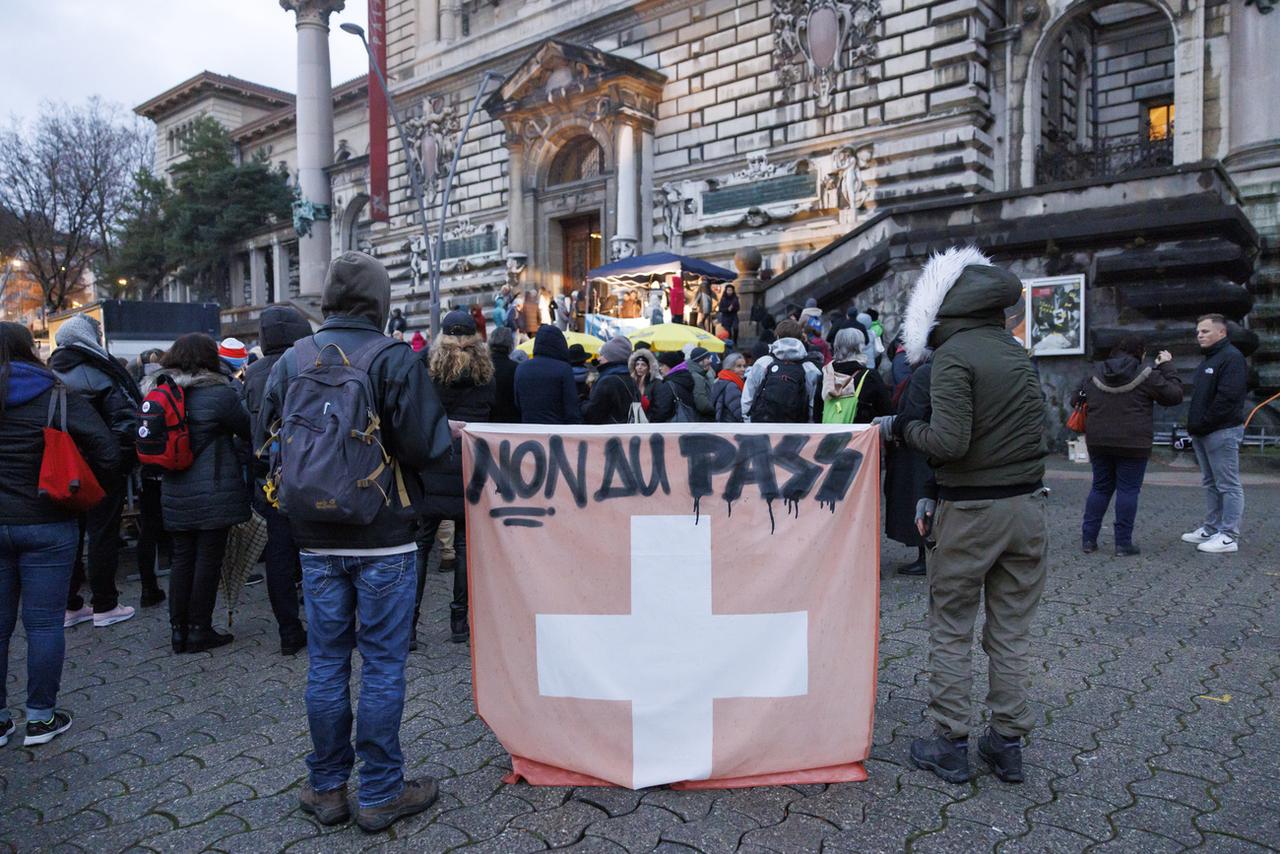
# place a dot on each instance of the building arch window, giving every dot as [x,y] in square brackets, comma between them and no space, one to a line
[578,159]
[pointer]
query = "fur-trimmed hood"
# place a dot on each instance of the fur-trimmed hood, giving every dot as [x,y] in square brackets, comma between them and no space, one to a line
[644,355]
[185,380]
[960,283]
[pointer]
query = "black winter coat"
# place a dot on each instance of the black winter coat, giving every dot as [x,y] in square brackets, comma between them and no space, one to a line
[26,412]
[907,471]
[108,387]
[214,492]
[611,396]
[279,327]
[504,382]
[1121,395]
[442,480]
[415,431]
[1217,396]
[546,391]
[662,402]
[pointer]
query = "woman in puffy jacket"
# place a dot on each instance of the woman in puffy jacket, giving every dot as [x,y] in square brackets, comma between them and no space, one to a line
[463,376]
[38,546]
[201,504]
[1121,395]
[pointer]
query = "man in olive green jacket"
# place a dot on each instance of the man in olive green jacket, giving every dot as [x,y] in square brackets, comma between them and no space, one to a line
[986,442]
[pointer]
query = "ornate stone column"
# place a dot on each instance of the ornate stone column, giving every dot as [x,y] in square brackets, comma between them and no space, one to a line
[627,233]
[450,20]
[517,239]
[311,211]
[429,21]
[280,271]
[257,276]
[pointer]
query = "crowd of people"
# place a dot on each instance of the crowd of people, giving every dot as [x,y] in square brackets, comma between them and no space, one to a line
[352,410]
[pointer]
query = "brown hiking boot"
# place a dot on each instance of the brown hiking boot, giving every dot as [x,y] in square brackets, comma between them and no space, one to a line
[328,807]
[416,797]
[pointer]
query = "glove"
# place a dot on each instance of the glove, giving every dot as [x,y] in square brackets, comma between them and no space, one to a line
[885,423]
[925,508]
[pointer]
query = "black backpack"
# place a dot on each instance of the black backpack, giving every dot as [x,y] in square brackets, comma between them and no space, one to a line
[783,396]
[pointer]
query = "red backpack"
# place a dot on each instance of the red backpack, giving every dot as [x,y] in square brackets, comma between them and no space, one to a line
[163,438]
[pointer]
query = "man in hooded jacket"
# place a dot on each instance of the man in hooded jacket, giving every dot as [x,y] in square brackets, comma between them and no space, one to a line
[367,571]
[279,326]
[546,391]
[985,440]
[84,366]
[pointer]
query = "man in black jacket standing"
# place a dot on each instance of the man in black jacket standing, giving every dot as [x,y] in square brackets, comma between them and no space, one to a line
[84,366]
[279,326]
[1216,424]
[363,571]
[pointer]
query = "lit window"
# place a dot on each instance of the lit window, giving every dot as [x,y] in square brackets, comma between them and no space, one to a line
[1159,122]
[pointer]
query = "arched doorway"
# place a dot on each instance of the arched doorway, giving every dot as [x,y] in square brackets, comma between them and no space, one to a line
[571,200]
[1100,97]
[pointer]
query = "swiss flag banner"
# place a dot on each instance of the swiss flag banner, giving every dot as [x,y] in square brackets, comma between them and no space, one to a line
[688,604]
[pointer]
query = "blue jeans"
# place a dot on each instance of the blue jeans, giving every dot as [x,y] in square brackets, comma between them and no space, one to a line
[378,592]
[1118,476]
[35,566]
[1219,456]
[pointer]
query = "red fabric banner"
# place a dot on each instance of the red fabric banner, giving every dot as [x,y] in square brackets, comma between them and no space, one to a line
[692,605]
[379,197]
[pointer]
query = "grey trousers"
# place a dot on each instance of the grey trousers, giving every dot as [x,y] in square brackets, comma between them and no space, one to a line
[997,546]
[1219,457]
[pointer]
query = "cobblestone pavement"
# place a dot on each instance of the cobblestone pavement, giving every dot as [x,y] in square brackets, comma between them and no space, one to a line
[1157,680]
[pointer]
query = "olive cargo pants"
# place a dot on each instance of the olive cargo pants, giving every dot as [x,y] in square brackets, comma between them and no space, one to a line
[997,546]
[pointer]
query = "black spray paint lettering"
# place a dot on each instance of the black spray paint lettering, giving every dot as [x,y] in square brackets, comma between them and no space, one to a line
[531,468]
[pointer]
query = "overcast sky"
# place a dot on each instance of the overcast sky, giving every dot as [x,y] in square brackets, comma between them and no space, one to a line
[129,50]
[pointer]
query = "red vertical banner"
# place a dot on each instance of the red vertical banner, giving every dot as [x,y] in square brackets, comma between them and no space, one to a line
[379,197]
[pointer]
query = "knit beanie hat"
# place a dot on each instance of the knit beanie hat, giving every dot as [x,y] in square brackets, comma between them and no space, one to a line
[616,350]
[233,352]
[670,359]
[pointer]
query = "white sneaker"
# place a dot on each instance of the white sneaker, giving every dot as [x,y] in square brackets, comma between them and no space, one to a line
[118,614]
[1199,535]
[1219,544]
[75,618]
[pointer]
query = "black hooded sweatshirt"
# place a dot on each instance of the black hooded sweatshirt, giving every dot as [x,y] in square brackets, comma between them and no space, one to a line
[279,327]
[415,431]
[546,392]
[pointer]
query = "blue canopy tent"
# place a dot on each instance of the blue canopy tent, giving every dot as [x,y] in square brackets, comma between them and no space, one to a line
[643,269]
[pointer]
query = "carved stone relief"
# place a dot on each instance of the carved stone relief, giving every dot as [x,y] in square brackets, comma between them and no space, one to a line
[814,41]
[433,134]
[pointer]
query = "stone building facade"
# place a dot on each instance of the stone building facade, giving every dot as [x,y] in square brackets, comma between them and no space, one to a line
[841,139]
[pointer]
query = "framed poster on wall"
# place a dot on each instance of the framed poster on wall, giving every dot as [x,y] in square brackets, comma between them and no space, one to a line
[1055,315]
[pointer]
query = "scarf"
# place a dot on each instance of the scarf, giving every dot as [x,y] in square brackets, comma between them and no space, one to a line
[732,377]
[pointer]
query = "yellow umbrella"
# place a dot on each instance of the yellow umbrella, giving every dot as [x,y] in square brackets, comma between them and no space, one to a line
[590,343]
[669,337]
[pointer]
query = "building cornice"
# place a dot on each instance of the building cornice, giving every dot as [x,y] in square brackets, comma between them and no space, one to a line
[206,84]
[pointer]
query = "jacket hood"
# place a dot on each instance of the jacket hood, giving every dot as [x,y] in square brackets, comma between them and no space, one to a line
[357,285]
[788,350]
[840,383]
[185,380]
[958,284]
[550,344]
[26,383]
[279,326]
[643,355]
[81,330]
[1120,369]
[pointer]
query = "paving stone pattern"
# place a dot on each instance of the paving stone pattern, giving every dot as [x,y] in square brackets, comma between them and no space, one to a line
[1156,681]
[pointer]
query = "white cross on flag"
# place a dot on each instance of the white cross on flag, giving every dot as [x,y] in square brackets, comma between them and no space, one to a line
[675,604]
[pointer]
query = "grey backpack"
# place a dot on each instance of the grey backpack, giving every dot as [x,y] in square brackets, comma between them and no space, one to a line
[331,464]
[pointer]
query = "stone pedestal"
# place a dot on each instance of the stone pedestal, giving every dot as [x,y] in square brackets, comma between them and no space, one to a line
[315,139]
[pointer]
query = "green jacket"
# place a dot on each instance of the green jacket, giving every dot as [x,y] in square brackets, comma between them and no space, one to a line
[986,435]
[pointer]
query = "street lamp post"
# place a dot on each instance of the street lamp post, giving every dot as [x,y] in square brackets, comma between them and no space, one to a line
[414,179]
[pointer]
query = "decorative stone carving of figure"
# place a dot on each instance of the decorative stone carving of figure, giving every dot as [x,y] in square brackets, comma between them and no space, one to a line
[672,214]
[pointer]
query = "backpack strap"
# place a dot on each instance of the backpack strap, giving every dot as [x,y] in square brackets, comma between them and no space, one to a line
[58,396]
[363,358]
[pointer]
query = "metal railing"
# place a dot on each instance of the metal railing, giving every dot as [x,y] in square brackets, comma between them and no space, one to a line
[1070,162]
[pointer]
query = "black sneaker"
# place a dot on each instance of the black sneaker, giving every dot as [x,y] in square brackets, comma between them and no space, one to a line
[152,597]
[1089,546]
[256,578]
[945,757]
[294,644]
[1004,755]
[1127,550]
[917,568]
[7,729]
[43,732]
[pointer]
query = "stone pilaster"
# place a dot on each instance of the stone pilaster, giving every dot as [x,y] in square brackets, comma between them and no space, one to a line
[315,139]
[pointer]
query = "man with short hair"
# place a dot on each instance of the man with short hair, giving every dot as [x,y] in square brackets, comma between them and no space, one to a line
[1215,421]
[363,573]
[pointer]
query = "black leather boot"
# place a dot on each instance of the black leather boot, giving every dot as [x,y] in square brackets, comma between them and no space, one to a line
[201,638]
[179,638]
